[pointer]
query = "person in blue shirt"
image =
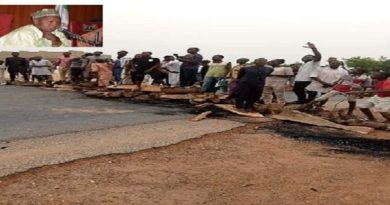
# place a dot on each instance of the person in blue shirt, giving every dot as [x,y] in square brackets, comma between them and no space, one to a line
[118,66]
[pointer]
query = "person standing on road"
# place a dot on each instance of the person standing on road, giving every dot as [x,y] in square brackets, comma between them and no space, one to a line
[41,70]
[119,65]
[141,65]
[2,71]
[103,68]
[17,65]
[63,64]
[88,62]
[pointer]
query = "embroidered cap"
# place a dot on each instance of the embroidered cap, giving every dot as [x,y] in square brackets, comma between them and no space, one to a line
[44,12]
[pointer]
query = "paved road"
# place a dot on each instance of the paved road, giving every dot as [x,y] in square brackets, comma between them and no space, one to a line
[27,112]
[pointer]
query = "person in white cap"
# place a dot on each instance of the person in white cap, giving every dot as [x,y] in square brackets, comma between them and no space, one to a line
[42,33]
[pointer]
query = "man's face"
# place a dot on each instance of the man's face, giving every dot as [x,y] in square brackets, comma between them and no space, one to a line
[242,61]
[334,64]
[146,55]
[169,58]
[192,50]
[121,54]
[48,23]
[307,58]
[379,76]
[217,58]
[260,62]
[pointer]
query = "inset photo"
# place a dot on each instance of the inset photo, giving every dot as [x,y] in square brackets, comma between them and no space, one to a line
[51,26]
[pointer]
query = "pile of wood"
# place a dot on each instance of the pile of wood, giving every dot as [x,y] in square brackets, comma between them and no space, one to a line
[207,103]
[147,92]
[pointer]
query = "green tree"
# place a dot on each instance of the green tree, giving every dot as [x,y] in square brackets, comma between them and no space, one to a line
[369,64]
[385,65]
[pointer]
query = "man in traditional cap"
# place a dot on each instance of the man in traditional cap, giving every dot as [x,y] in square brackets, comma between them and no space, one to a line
[42,33]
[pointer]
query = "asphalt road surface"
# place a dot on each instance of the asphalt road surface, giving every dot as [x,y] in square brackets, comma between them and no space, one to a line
[27,112]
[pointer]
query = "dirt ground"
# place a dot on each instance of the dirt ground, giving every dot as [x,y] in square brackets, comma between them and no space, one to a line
[247,165]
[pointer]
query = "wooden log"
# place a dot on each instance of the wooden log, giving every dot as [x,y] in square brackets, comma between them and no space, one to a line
[199,95]
[296,116]
[65,89]
[199,100]
[129,94]
[63,86]
[180,90]
[31,84]
[144,88]
[142,97]
[113,94]
[87,84]
[232,109]
[375,125]
[175,96]
[123,87]
[275,108]
[78,88]
[201,116]
[222,97]
[204,105]
[151,88]
[94,93]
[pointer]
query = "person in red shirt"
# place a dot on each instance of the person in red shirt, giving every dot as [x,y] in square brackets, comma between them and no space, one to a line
[381,101]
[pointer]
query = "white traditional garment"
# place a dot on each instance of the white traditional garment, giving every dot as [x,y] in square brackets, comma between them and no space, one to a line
[31,36]
[40,67]
[305,71]
[174,75]
[327,75]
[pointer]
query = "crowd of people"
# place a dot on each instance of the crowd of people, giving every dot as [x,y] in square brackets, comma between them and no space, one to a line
[247,82]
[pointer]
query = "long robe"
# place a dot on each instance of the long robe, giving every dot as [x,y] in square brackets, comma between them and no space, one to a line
[104,73]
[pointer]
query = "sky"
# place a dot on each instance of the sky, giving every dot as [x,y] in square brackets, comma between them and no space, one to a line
[243,28]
